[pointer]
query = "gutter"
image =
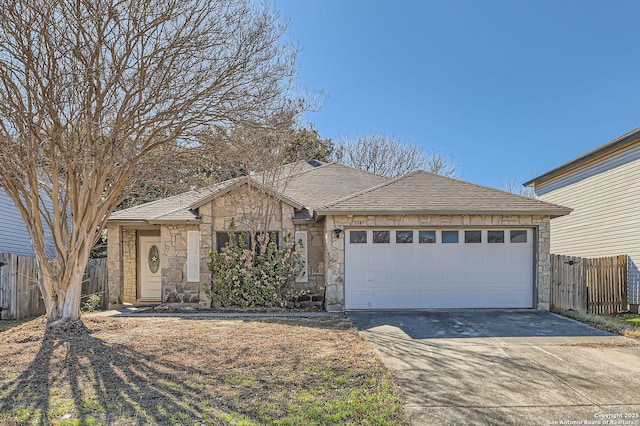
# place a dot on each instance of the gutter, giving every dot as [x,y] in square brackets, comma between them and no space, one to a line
[344,212]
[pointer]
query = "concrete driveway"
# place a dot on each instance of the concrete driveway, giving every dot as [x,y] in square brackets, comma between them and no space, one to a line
[460,367]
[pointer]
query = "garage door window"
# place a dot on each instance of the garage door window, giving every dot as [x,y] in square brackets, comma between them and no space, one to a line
[381,237]
[518,236]
[449,237]
[495,237]
[472,237]
[404,237]
[358,237]
[426,237]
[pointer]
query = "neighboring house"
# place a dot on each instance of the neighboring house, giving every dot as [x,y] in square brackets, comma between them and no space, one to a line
[14,237]
[603,189]
[418,241]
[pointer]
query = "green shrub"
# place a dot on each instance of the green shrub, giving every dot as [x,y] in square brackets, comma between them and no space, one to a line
[254,277]
[92,303]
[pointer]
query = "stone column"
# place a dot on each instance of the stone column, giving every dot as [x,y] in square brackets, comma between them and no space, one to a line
[334,267]
[114,266]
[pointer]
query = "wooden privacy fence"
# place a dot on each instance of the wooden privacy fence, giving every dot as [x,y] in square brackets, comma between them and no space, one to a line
[19,292]
[94,281]
[596,286]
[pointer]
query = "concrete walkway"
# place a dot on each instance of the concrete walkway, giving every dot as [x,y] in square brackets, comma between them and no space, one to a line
[504,367]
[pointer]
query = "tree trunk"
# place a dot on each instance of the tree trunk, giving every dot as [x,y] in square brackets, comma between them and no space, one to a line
[65,294]
[70,309]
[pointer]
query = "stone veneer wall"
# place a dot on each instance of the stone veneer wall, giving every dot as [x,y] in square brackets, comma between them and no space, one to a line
[173,264]
[114,265]
[216,216]
[129,266]
[315,257]
[334,255]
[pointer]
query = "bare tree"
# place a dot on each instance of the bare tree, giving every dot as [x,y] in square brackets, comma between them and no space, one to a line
[440,164]
[387,156]
[94,93]
[259,154]
[514,188]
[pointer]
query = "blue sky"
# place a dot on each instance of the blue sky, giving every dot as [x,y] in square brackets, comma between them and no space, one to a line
[509,88]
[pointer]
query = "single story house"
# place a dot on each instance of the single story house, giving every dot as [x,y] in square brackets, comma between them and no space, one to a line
[602,187]
[417,241]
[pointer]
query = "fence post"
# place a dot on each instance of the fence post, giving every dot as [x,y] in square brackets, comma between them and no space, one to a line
[8,281]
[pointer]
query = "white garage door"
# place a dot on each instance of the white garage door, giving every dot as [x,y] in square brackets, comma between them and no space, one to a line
[438,268]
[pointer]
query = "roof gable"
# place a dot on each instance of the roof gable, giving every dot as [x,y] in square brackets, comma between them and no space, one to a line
[330,182]
[301,185]
[173,208]
[253,182]
[427,193]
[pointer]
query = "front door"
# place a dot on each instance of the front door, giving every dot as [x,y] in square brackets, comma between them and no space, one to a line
[149,261]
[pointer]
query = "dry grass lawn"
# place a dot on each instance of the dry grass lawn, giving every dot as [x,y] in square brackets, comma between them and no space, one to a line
[623,324]
[129,371]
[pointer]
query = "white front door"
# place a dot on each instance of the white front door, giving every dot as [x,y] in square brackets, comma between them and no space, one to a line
[149,261]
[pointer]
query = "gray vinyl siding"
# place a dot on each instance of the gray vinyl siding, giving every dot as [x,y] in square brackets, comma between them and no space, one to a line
[605,198]
[14,237]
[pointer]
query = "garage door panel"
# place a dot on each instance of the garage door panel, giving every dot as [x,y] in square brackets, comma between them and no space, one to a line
[358,259]
[397,275]
[402,278]
[358,299]
[404,258]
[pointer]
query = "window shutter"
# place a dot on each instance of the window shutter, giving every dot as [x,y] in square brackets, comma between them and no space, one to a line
[193,256]
[303,275]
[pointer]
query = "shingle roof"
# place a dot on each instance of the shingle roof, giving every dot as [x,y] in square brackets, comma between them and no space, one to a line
[174,208]
[317,187]
[426,193]
[337,189]
[301,185]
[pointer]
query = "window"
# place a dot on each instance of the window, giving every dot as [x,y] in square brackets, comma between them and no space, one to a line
[404,237]
[273,237]
[301,240]
[381,237]
[193,256]
[358,237]
[222,239]
[426,237]
[472,237]
[519,236]
[494,237]
[449,237]
[154,259]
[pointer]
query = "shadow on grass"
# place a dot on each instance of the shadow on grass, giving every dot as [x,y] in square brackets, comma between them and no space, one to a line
[84,380]
[170,371]
[9,324]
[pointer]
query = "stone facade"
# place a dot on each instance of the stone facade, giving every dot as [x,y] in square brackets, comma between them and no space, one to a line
[325,251]
[315,285]
[173,264]
[215,216]
[114,265]
[241,207]
[325,284]
[129,265]
[334,254]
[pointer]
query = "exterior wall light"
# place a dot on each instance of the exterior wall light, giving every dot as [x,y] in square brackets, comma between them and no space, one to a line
[337,232]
